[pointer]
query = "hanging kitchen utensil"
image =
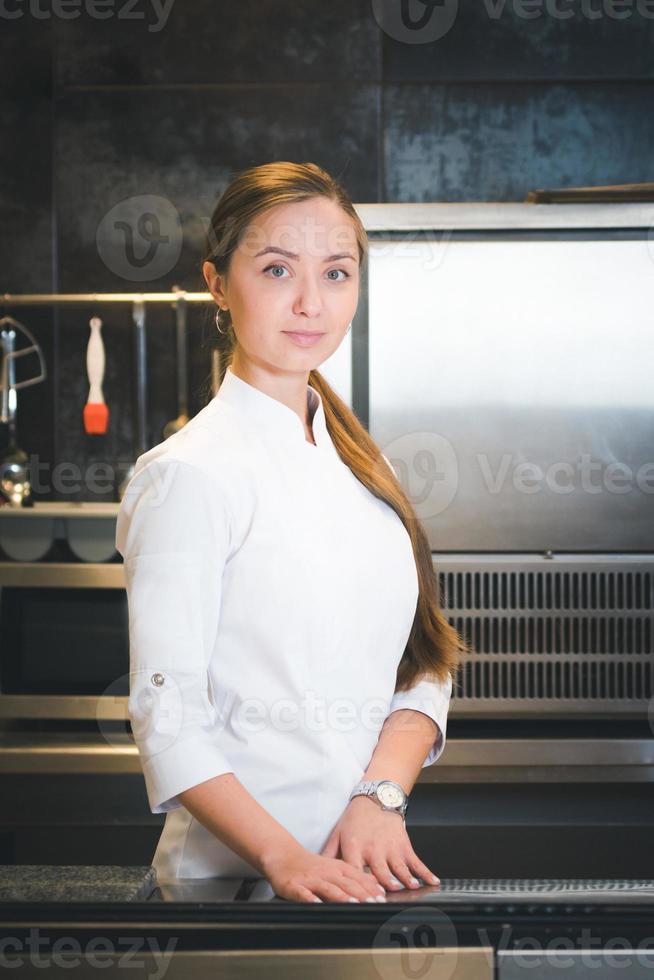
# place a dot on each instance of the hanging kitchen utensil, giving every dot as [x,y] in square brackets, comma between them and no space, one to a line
[15,486]
[96,413]
[182,371]
[138,315]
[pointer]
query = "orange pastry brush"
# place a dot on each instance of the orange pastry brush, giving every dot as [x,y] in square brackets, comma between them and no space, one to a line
[96,412]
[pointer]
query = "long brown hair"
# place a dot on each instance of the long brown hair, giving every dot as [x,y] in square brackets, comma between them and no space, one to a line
[434,646]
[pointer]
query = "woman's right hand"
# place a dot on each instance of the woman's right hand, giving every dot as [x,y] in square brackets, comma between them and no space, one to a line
[302,876]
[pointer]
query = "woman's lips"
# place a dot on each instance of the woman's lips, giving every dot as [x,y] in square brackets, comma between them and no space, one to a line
[303,339]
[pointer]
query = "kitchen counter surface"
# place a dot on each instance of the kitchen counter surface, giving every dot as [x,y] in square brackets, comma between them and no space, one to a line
[207,917]
[57,884]
[75,883]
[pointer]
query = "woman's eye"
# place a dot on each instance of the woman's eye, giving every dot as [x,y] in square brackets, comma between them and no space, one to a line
[275,267]
[345,274]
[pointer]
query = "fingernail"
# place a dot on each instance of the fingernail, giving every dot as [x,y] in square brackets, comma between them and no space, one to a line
[317,899]
[414,881]
[371,898]
[380,898]
[395,881]
[353,899]
[434,880]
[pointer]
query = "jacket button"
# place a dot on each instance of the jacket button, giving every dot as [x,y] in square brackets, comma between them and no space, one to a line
[157,679]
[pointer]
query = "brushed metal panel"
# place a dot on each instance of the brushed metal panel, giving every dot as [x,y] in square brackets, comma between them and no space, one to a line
[78,509]
[74,706]
[549,962]
[62,753]
[543,760]
[510,385]
[62,575]
[445,963]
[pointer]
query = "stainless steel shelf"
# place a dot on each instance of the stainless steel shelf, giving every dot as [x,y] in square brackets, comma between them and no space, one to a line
[114,708]
[524,760]
[68,754]
[82,575]
[56,707]
[561,709]
[464,760]
[57,299]
[478,216]
[65,509]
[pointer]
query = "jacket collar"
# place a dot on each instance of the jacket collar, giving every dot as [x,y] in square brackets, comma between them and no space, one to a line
[272,416]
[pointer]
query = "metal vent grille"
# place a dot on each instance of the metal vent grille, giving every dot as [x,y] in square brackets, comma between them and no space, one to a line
[556,634]
[548,886]
[556,589]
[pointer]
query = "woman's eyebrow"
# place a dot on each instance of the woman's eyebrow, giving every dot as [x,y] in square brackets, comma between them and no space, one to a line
[292,255]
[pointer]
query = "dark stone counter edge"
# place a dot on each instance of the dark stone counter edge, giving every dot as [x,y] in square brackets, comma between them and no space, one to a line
[75,883]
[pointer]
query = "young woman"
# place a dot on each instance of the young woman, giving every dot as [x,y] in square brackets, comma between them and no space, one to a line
[290,667]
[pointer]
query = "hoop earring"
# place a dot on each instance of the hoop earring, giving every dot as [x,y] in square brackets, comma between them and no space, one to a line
[218,322]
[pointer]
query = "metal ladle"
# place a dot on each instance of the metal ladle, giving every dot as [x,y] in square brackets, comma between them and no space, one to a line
[138,317]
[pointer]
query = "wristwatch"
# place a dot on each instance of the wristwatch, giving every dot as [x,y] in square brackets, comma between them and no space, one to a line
[388,794]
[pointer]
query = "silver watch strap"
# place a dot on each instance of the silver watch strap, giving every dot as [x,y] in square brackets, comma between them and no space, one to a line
[367,788]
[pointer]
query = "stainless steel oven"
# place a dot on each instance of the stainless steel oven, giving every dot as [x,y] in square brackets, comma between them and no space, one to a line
[64,639]
[519,420]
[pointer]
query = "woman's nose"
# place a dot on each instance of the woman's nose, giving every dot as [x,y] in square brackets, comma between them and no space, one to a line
[308,299]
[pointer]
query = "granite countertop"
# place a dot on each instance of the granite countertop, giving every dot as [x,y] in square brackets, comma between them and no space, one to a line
[75,883]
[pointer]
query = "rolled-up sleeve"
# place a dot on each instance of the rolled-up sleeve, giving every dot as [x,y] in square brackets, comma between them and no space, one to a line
[432,697]
[173,531]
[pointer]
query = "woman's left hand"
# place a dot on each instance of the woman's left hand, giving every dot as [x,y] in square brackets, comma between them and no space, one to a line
[368,835]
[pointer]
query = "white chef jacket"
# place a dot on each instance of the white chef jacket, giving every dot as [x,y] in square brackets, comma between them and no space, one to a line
[271,597]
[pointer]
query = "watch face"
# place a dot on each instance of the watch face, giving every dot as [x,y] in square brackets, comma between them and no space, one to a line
[390,795]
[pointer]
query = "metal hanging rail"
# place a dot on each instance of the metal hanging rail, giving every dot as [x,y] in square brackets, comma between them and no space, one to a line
[37,299]
[177,298]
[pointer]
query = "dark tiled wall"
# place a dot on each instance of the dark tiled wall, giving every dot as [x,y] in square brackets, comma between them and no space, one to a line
[166,106]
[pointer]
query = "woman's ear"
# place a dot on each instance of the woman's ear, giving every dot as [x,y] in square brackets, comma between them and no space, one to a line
[215,283]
